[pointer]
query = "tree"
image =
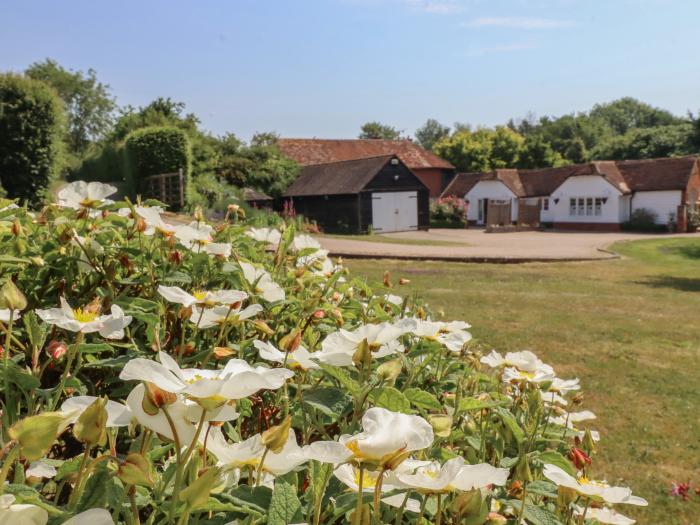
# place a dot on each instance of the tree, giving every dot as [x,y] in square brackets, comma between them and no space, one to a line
[576,151]
[88,103]
[377,130]
[505,147]
[648,143]
[467,151]
[628,113]
[31,125]
[538,153]
[430,133]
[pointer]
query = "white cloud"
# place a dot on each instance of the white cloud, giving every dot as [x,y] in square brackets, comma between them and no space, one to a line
[438,7]
[518,22]
[505,48]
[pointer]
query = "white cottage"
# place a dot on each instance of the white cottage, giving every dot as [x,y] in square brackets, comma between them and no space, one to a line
[599,195]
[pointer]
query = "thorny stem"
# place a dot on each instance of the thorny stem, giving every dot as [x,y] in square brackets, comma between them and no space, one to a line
[66,371]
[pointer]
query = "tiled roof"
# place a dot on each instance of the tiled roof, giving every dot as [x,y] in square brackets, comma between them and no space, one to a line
[461,184]
[322,151]
[627,176]
[658,174]
[250,194]
[336,178]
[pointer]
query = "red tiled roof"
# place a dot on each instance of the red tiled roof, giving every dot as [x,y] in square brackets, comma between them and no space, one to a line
[308,152]
[460,185]
[658,174]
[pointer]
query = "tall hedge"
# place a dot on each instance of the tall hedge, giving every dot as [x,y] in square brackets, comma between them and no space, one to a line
[31,123]
[155,150]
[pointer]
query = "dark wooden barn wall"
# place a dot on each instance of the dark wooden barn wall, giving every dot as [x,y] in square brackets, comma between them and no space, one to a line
[334,214]
[353,213]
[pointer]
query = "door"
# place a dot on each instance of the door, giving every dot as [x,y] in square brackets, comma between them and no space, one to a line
[395,211]
[483,208]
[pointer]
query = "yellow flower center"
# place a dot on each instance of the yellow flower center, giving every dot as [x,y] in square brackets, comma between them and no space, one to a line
[527,375]
[369,479]
[89,203]
[583,480]
[84,316]
[200,295]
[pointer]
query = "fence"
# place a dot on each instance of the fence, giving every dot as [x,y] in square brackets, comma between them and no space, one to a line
[498,213]
[169,188]
[529,212]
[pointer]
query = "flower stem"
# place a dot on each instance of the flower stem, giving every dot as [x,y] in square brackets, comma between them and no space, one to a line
[9,461]
[79,478]
[438,512]
[66,371]
[358,506]
[9,404]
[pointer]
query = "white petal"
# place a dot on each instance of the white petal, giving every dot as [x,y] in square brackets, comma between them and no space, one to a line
[91,517]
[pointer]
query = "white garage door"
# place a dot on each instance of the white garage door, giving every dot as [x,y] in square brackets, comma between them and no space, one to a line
[395,211]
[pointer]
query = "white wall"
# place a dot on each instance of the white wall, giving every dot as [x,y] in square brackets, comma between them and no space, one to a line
[661,202]
[586,186]
[490,189]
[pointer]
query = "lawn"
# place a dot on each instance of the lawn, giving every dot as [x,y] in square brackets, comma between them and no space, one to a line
[386,239]
[629,328]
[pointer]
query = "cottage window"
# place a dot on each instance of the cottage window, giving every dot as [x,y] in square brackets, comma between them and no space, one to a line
[598,206]
[545,204]
[572,207]
[589,206]
[581,206]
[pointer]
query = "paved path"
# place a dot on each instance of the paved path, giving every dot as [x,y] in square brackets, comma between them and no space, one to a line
[478,246]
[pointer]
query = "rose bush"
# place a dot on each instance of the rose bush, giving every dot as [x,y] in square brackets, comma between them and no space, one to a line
[219,374]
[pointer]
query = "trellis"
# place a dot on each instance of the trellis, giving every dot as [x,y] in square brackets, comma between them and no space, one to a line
[168,188]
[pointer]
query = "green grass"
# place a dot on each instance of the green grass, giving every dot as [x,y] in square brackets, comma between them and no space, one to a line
[629,328]
[385,239]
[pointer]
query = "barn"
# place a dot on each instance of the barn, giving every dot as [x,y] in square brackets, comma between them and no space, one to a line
[379,194]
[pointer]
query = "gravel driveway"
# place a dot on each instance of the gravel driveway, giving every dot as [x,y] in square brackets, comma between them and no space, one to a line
[476,245]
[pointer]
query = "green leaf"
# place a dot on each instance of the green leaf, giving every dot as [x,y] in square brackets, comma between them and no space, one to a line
[556,459]
[257,499]
[422,399]
[319,475]
[512,424]
[391,399]
[284,505]
[177,278]
[331,401]
[95,490]
[471,403]
[95,348]
[17,375]
[542,488]
[36,331]
[540,516]
[342,377]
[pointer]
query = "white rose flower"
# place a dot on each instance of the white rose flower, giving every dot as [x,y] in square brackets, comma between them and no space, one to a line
[91,517]
[177,295]
[5,315]
[109,326]
[452,335]
[235,381]
[299,358]
[218,315]
[266,235]
[12,513]
[118,415]
[262,283]
[598,490]
[85,195]
[525,360]
[604,515]
[338,348]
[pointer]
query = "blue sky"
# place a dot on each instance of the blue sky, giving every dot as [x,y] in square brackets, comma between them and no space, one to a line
[323,67]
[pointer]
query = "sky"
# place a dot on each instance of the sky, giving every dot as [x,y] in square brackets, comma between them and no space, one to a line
[321,68]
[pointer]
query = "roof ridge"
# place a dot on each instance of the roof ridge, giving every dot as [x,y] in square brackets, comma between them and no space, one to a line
[361,159]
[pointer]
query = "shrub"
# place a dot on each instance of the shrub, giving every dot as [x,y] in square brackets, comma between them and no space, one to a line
[156,150]
[217,375]
[448,212]
[643,220]
[103,165]
[31,121]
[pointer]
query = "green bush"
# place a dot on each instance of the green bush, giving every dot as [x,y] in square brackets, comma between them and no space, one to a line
[31,120]
[643,220]
[104,165]
[155,150]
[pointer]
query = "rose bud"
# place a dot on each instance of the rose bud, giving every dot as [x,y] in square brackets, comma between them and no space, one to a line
[175,256]
[57,349]
[319,314]
[403,281]
[579,458]
[276,436]
[140,225]
[387,279]
[16,228]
